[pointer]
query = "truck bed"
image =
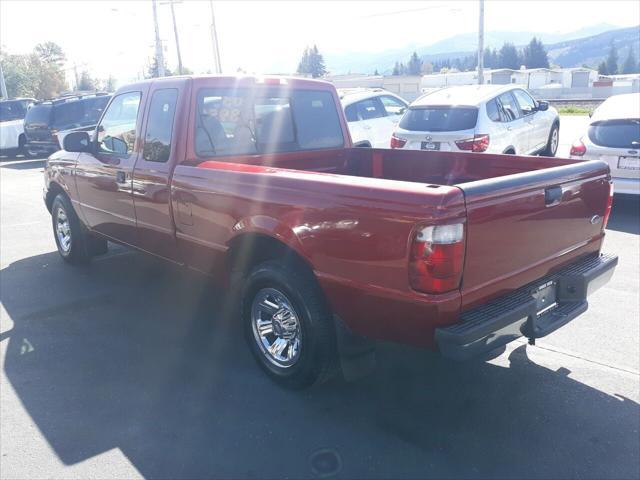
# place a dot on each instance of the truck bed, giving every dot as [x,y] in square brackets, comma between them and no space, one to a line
[352,212]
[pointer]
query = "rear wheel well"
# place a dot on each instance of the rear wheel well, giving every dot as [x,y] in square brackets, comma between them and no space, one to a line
[250,249]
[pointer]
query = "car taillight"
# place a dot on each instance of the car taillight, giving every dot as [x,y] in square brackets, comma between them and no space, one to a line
[578,149]
[397,142]
[607,212]
[437,258]
[479,143]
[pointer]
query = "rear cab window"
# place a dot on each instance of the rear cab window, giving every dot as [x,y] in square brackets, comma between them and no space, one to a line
[157,140]
[245,121]
[439,119]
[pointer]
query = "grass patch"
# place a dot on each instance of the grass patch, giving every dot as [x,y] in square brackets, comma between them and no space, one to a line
[573,110]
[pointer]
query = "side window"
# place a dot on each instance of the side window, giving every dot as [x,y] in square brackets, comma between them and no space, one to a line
[316,120]
[492,111]
[508,107]
[224,122]
[274,124]
[157,140]
[526,103]
[392,105]
[117,131]
[369,109]
[351,113]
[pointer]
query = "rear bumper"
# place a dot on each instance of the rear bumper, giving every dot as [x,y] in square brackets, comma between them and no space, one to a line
[504,319]
[627,186]
[42,148]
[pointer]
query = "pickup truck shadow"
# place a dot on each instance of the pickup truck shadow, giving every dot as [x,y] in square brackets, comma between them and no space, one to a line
[130,354]
[625,215]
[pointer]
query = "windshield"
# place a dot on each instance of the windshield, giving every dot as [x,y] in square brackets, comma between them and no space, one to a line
[439,119]
[616,133]
[11,111]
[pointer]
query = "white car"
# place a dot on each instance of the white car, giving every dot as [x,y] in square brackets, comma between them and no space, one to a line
[12,113]
[372,115]
[479,118]
[613,135]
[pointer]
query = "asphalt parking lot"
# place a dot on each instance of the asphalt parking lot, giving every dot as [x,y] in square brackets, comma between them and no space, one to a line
[125,368]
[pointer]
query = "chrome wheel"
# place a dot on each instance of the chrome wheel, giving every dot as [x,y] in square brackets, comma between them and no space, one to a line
[63,230]
[555,135]
[276,327]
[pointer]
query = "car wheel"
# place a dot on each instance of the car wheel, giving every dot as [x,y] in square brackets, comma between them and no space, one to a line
[553,141]
[287,324]
[70,236]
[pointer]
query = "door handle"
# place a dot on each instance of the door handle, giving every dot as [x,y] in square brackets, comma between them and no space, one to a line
[552,196]
[121,177]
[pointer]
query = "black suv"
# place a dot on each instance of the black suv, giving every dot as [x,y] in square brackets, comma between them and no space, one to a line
[47,122]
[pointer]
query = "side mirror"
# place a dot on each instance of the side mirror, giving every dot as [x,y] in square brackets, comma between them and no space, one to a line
[77,142]
[543,106]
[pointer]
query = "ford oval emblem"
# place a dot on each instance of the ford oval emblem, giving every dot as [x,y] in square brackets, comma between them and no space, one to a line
[595,219]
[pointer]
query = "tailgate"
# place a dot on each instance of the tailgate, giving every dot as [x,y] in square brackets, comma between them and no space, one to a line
[522,227]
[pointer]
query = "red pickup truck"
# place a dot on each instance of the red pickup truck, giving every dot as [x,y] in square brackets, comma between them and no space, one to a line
[255,182]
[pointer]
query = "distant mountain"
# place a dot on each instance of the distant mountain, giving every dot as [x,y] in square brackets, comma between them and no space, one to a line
[585,46]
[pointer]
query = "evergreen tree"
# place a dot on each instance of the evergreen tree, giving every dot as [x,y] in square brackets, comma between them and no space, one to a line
[535,55]
[414,67]
[630,65]
[86,83]
[312,63]
[509,57]
[612,60]
[152,69]
[602,68]
[376,72]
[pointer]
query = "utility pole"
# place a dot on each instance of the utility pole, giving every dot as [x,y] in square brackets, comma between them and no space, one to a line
[481,45]
[3,86]
[175,31]
[214,39]
[159,54]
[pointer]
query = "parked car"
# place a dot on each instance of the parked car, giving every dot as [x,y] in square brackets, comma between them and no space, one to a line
[49,120]
[372,115]
[12,113]
[255,182]
[613,136]
[479,118]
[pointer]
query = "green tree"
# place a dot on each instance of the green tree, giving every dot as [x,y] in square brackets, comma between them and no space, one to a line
[535,55]
[152,69]
[397,69]
[376,72]
[509,57]
[602,68]
[630,65]
[37,74]
[109,84]
[612,60]
[312,63]
[414,67]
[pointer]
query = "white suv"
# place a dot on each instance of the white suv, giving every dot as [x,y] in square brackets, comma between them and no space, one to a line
[479,118]
[372,115]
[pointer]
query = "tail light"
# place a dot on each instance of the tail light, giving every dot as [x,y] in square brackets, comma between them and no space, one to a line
[437,258]
[578,149]
[607,212]
[479,143]
[397,142]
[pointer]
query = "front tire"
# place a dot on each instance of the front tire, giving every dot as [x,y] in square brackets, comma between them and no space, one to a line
[287,324]
[73,242]
[552,143]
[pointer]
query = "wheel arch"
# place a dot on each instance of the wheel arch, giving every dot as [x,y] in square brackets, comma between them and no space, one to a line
[52,192]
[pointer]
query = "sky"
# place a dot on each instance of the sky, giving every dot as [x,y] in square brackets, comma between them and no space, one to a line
[117,37]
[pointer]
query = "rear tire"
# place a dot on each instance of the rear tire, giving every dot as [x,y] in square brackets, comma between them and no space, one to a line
[75,245]
[287,324]
[552,143]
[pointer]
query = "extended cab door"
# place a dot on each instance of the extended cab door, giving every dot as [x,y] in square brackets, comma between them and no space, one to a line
[161,150]
[104,176]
